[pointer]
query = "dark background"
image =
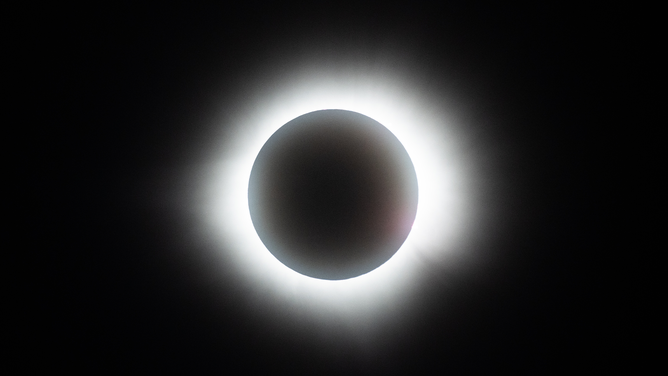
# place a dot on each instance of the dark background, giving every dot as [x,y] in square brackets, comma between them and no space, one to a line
[125,88]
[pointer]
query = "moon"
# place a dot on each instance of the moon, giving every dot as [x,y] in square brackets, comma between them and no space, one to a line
[333,194]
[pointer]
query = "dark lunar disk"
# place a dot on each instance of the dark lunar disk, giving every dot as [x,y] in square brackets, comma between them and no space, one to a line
[333,194]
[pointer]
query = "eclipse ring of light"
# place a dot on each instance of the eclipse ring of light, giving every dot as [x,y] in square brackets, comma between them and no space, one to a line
[444,213]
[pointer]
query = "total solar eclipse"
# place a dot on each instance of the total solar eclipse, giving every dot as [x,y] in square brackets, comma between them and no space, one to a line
[333,194]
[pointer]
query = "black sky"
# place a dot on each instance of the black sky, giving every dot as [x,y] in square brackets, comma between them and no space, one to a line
[132,89]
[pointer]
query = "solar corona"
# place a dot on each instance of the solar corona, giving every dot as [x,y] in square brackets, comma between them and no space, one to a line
[330,192]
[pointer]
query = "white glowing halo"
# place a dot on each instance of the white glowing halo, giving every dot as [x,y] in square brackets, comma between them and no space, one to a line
[423,129]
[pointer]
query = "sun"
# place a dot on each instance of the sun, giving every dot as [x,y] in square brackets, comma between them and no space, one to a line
[421,125]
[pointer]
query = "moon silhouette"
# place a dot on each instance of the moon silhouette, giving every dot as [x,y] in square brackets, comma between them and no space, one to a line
[333,194]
